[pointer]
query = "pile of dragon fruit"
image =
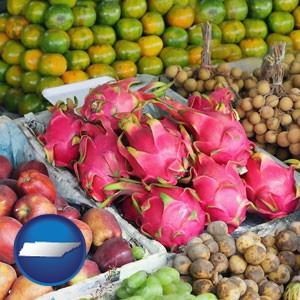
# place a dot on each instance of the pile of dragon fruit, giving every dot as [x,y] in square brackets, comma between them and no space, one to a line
[169,175]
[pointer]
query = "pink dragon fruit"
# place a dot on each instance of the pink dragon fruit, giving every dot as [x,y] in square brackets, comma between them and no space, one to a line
[171,215]
[221,191]
[116,100]
[100,162]
[155,150]
[219,100]
[62,136]
[271,186]
[217,134]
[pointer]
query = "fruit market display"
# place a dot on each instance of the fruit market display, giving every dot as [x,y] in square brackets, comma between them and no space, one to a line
[216,265]
[112,147]
[27,192]
[50,43]
[268,111]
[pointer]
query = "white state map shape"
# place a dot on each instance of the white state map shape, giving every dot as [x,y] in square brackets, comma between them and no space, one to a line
[47,249]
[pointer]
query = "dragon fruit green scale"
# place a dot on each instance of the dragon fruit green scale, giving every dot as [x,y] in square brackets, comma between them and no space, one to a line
[271,187]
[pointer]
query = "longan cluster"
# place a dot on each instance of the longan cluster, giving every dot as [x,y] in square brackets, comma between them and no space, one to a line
[248,267]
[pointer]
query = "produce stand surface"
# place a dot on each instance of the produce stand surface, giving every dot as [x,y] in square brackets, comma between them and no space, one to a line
[104,285]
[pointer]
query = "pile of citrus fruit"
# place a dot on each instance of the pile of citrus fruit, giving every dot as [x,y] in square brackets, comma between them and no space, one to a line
[55,42]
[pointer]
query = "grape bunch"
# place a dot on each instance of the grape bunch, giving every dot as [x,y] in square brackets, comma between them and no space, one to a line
[164,284]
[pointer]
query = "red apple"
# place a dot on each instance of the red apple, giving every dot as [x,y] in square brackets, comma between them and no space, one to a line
[7,276]
[12,183]
[32,205]
[30,165]
[9,228]
[6,167]
[69,212]
[7,199]
[34,182]
[88,269]
[25,289]
[113,253]
[103,223]
[60,202]
[86,232]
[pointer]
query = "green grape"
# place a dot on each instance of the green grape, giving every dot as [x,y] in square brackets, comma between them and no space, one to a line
[170,288]
[184,288]
[152,280]
[137,279]
[206,296]
[173,297]
[138,252]
[150,291]
[166,275]
[135,298]
[121,293]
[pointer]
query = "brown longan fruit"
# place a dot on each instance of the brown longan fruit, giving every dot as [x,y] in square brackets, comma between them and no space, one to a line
[249,83]
[266,112]
[223,68]
[240,83]
[246,104]
[258,101]
[260,138]
[294,135]
[248,127]
[263,87]
[286,119]
[282,140]
[172,70]
[181,77]
[260,128]
[296,104]
[254,117]
[295,67]
[235,87]
[257,72]
[285,103]
[236,72]
[245,75]
[252,92]
[289,57]
[203,74]
[272,100]
[182,92]
[295,113]
[190,84]
[298,120]
[294,94]
[240,112]
[296,80]
[287,85]
[200,86]
[271,136]
[209,85]
[272,123]
[294,149]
